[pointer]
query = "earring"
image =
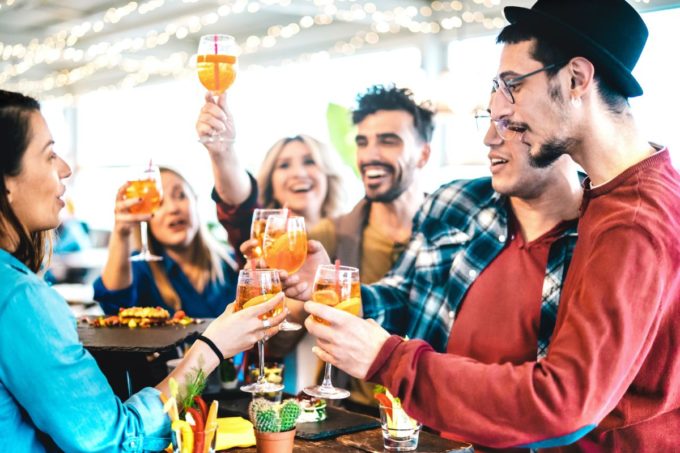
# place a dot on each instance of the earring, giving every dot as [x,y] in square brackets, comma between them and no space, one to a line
[576,102]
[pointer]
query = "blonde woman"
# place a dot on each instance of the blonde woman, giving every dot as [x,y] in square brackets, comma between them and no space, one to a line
[298,172]
[196,275]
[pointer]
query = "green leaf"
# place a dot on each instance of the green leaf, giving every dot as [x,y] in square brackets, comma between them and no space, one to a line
[342,132]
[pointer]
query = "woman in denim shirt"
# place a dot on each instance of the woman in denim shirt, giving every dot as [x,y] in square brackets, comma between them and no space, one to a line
[52,394]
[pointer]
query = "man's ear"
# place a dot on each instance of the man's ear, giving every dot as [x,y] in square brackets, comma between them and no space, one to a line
[582,74]
[425,152]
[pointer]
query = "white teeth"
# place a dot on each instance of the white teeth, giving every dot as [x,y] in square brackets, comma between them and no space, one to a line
[498,161]
[375,173]
[301,187]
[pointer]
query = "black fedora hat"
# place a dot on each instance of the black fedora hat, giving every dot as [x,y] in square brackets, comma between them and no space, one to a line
[610,33]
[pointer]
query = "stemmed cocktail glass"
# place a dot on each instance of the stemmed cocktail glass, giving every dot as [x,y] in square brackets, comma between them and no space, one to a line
[256,286]
[145,185]
[338,287]
[285,247]
[216,65]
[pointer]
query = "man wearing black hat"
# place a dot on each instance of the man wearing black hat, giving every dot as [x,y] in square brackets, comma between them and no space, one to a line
[610,379]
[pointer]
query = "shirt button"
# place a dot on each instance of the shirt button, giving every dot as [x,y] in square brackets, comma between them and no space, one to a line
[472,273]
[501,238]
[452,314]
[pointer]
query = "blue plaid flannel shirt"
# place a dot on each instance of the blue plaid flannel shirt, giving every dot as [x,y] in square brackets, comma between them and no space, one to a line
[461,228]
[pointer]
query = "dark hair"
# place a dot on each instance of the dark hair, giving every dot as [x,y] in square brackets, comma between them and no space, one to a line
[379,97]
[547,51]
[15,134]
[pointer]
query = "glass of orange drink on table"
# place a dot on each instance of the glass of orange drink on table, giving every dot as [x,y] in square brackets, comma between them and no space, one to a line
[145,185]
[338,287]
[284,247]
[257,286]
[216,66]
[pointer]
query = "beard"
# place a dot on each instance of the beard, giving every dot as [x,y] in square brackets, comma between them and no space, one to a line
[550,151]
[402,181]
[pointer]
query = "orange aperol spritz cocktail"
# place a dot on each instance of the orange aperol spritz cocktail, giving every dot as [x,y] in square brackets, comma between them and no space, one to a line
[145,186]
[254,287]
[338,287]
[285,243]
[216,65]
[258,226]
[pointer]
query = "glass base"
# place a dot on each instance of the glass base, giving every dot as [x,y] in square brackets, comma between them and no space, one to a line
[405,440]
[329,393]
[288,326]
[146,256]
[265,387]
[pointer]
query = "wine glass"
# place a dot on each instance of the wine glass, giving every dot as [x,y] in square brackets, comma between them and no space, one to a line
[256,286]
[146,186]
[337,287]
[258,225]
[216,66]
[285,247]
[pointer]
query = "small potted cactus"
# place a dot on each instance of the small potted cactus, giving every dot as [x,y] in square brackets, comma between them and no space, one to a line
[274,424]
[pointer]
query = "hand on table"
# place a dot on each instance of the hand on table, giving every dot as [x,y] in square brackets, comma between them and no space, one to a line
[349,343]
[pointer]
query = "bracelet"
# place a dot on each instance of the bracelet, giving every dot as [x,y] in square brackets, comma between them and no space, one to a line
[212,345]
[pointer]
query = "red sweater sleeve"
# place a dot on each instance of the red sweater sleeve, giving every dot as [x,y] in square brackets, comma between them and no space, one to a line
[609,318]
[237,219]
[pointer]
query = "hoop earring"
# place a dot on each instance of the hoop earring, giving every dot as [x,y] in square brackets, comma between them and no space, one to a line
[576,102]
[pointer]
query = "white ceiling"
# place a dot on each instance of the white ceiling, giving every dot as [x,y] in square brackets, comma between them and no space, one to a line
[37,57]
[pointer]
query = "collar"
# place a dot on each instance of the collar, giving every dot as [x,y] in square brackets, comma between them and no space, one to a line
[10,260]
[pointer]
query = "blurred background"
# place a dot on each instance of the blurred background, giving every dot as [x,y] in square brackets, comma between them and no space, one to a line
[118,85]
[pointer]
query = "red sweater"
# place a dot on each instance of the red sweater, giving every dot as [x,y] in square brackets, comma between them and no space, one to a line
[614,361]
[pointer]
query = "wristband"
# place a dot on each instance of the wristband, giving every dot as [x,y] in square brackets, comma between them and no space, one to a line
[213,346]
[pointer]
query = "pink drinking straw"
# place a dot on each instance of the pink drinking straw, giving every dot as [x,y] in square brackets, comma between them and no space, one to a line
[337,278]
[216,67]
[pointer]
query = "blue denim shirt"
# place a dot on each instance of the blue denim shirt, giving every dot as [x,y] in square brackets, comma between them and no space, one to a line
[53,396]
[143,291]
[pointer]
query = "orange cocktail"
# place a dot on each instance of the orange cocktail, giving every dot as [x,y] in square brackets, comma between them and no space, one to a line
[216,72]
[346,297]
[258,226]
[248,295]
[285,243]
[147,191]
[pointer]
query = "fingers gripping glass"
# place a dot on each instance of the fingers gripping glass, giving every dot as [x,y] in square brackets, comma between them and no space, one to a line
[506,86]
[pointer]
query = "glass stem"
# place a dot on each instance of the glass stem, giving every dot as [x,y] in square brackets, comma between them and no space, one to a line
[327,377]
[260,349]
[144,238]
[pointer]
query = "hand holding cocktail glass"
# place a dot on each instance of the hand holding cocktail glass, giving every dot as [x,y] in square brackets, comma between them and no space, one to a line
[137,200]
[354,342]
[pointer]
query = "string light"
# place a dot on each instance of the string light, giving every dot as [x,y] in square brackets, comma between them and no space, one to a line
[62,46]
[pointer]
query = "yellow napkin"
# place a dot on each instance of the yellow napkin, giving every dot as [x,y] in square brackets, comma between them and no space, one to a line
[234,432]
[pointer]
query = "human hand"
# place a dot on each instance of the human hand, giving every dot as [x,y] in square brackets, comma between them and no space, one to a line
[216,118]
[349,343]
[124,220]
[233,332]
[248,249]
[299,285]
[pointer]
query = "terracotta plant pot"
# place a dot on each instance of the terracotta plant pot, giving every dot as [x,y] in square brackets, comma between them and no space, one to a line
[275,442]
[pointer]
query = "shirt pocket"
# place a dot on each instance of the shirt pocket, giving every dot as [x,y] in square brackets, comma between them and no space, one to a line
[436,255]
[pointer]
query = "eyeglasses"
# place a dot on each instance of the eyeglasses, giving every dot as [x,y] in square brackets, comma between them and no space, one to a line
[506,86]
[507,130]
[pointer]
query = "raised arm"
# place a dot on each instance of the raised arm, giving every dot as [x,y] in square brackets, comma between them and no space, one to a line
[232,182]
[117,273]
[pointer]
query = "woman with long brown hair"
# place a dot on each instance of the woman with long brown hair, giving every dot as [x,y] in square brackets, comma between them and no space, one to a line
[197,274]
[53,395]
